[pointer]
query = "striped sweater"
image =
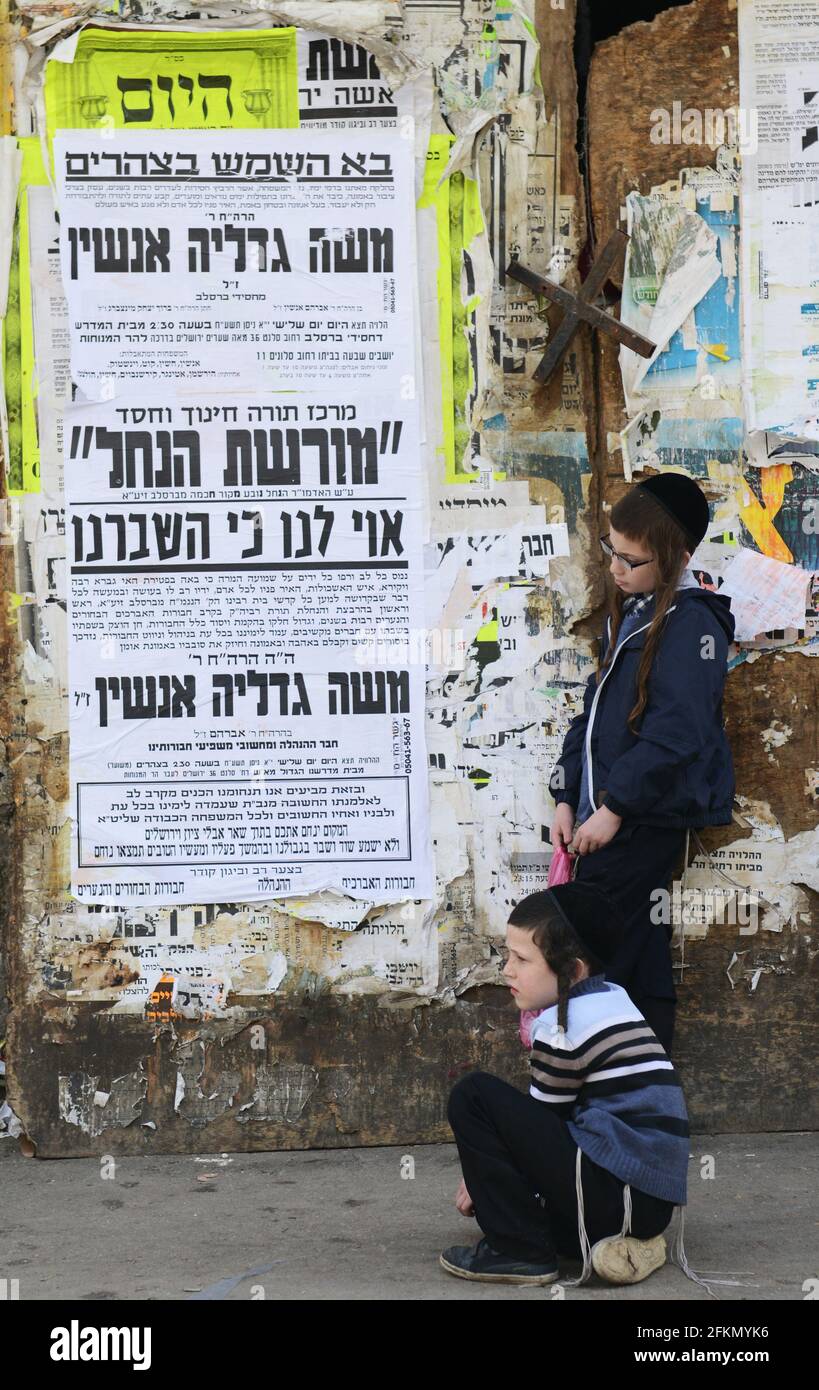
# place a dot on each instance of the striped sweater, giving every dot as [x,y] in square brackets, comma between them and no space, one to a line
[612,1081]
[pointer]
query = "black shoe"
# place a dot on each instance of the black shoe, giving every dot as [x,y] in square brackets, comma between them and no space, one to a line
[482,1262]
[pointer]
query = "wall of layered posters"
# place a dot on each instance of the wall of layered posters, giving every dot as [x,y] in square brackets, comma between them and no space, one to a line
[289,645]
[304,571]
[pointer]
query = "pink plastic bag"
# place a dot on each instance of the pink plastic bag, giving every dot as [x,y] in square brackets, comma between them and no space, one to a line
[560,871]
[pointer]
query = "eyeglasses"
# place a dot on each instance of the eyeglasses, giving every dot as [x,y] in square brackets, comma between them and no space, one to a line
[610,551]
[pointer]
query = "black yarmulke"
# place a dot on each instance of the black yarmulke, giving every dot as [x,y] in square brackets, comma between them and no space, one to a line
[684,502]
[593,916]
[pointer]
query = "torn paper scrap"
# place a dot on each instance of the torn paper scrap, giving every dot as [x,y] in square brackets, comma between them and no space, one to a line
[671,263]
[764,449]
[765,594]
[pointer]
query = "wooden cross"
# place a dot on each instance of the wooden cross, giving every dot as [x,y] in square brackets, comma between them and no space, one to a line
[579,307]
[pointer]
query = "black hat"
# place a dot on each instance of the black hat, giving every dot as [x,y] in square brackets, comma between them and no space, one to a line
[593,917]
[685,502]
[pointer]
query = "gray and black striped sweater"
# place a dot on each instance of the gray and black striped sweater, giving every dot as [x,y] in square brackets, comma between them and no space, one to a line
[612,1081]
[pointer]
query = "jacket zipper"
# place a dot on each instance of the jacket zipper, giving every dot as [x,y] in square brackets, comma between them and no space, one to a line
[597,695]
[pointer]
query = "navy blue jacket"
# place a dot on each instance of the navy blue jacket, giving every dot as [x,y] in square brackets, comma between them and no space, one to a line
[678,770]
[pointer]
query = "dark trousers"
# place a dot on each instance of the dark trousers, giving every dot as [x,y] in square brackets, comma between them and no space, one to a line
[518,1161]
[636,862]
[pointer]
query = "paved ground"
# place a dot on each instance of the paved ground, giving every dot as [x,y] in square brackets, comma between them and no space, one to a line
[345,1224]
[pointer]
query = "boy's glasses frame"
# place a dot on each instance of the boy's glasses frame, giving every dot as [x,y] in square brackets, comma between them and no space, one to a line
[608,549]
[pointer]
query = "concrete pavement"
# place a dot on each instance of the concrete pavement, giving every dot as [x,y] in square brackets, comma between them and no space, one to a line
[346,1224]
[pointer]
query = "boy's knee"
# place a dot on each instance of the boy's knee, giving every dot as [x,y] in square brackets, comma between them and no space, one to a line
[462,1093]
[457,1099]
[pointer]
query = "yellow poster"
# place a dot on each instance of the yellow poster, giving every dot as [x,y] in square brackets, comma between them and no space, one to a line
[19,373]
[459,220]
[214,80]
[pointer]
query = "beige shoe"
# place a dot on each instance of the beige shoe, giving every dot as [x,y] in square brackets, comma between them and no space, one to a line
[627,1260]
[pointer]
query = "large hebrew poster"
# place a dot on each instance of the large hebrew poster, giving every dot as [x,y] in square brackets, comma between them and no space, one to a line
[245,506]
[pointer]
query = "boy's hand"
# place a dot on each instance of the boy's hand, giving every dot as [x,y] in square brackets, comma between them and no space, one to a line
[562,825]
[596,831]
[463,1201]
